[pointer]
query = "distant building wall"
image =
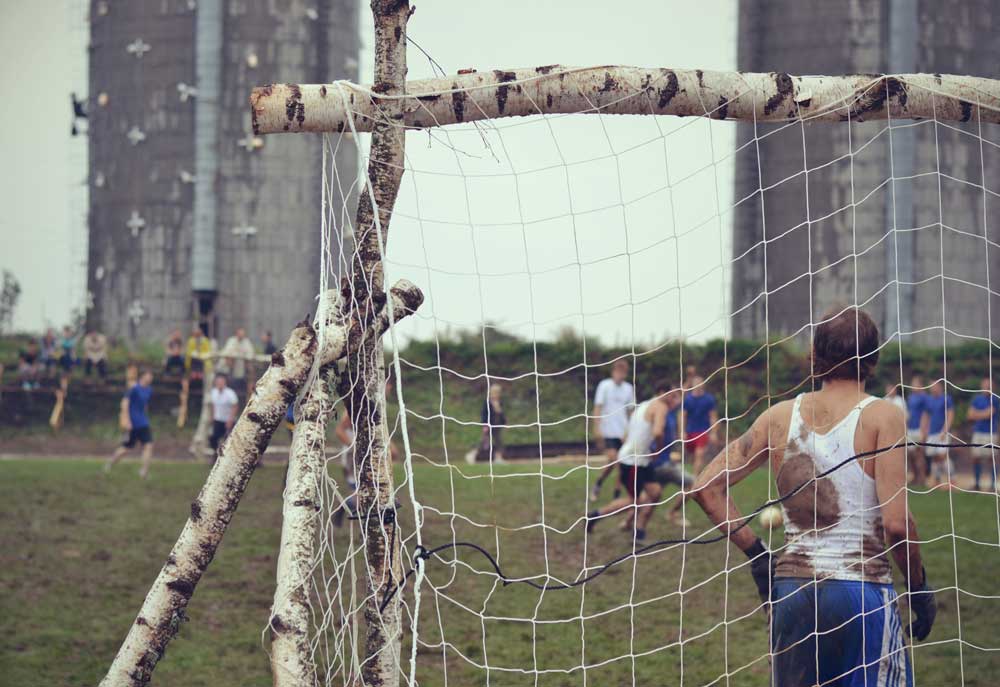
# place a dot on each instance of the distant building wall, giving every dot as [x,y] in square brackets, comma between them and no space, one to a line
[267,277]
[827,231]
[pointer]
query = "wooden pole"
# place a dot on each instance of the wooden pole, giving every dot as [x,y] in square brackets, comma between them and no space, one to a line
[554,89]
[364,375]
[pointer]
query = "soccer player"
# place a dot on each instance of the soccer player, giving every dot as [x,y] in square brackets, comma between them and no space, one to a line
[833,617]
[135,407]
[916,402]
[613,401]
[664,470]
[985,414]
[224,404]
[700,423]
[645,428]
[939,413]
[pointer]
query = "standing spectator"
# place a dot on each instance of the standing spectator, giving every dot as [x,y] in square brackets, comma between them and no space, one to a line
[238,351]
[985,414]
[267,343]
[493,419]
[916,408]
[95,353]
[939,413]
[67,348]
[700,420]
[174,354]
[198,358]
[49,356]
[29,367]
[690,374]
[224,403]
[136,407]
[613,401]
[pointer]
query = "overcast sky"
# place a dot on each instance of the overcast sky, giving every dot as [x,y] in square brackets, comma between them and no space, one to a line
[536,225]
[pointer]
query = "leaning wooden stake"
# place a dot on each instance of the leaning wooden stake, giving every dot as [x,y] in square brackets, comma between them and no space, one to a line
[292,663]
[163,610]
[554,89]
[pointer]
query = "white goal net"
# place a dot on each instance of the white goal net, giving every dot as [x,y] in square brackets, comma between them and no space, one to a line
[691,254]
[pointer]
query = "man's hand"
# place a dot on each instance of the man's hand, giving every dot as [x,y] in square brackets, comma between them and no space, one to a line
[924,607]
[762,564]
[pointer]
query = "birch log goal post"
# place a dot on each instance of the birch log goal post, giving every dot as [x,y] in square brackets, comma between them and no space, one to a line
[554,89]
[163,610]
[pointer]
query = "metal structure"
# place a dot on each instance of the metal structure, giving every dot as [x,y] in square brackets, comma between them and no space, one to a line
[856,193]
[168,84]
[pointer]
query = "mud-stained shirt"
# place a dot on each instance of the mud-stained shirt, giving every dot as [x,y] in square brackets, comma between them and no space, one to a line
[833,526]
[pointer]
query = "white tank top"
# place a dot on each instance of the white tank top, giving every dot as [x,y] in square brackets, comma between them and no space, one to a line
[833,526]
[638,437]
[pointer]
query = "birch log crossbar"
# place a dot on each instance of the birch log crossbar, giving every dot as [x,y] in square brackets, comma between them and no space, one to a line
[554,89]
[163,610]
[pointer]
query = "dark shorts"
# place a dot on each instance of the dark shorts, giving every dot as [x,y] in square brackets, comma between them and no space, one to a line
[635,477]
[669,472]
[611,442]
[219,430]
[837,632]
[143,435]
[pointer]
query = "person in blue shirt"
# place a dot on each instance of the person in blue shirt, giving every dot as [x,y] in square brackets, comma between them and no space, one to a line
[700,421]
[135,407]
[985,415]
[939,413]
[916,401]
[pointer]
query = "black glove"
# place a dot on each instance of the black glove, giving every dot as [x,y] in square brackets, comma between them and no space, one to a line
[762,568]
[924,606]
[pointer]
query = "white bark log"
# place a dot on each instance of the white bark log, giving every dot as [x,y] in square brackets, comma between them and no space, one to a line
[365,369]
[163,610]
[554,89]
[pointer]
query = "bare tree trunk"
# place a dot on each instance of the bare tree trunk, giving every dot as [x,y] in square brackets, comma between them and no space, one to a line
[292,663]
[163,610]
[554,89]
[365,373]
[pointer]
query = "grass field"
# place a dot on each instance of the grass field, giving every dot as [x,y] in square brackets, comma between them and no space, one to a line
[79,550]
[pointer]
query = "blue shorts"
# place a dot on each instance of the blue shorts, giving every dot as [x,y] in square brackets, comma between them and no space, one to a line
[837,633]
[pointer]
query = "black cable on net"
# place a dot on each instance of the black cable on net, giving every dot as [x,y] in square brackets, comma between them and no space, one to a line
[423,553]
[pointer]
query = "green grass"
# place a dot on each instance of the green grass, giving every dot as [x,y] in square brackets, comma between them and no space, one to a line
[79,551]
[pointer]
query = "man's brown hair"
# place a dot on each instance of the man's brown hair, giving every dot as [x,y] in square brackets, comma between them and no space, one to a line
[845,345]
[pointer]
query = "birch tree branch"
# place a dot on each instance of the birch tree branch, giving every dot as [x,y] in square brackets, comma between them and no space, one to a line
[554,89]
[366,362]
[163,610]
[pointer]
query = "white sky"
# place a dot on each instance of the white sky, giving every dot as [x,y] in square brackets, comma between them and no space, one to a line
[594,229]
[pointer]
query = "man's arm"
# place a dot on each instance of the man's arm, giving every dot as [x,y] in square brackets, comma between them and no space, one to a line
[925,425]
[900,527]
[659,422]
[949,418]
[732,464]
[713,426]
[890,486]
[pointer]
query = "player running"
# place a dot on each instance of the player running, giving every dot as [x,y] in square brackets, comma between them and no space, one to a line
[664,469]
[645,429]
[939,413]
[135,406]
[613,401]
[916,407]
[985,414]
[701,420]
[833,616]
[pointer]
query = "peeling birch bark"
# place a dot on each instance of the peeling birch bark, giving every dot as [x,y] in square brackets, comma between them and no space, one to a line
[163,610]
[292,663]
[365,373]
[554,89]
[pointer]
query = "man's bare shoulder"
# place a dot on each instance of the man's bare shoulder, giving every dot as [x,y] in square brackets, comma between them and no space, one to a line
[884,412]
[779,413]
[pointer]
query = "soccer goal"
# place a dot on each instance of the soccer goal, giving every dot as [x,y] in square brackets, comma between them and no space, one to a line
[544,229]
